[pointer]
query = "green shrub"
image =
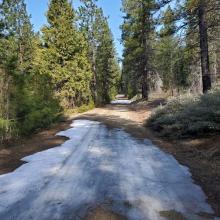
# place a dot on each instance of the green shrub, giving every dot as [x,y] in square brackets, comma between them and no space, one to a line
[7,129]
[188,116]
[85,108]
[81,109]
[38,119]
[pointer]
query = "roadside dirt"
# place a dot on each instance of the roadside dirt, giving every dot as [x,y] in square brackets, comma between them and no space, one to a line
[12,153]
[101,214]
[202,156]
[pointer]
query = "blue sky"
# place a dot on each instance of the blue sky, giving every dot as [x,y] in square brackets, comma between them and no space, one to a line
[38,8]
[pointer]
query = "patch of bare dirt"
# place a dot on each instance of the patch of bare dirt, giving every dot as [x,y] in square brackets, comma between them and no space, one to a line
[172,215]
[101,214]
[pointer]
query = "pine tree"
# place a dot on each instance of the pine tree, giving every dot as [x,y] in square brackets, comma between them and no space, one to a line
[107,67]
[90,23]
[213,17]
[194,16]
[137,31]
[16,45]
[171,59]
[66,55]
[102,56]
[17,26]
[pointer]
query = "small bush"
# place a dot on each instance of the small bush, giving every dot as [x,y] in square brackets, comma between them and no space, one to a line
[81,109]
[38,119]
[7,129]
[85,108]
[188,116]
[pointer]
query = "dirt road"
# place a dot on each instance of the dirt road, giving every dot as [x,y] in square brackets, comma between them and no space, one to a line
[102,172]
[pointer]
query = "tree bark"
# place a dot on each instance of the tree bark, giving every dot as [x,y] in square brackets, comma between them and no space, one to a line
[145,88]
[203,35]
[145,59]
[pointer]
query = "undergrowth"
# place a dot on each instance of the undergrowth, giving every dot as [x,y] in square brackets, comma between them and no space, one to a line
[187,116]
[81,109]
[7,129]
[35,120]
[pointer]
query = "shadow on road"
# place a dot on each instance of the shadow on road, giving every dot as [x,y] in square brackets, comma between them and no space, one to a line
[112,121]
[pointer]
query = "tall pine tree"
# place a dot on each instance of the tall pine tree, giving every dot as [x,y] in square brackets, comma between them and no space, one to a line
[66,55]
[171,58]
[137,32]
[102,56]
[90,24]
[16,51]
[107,67]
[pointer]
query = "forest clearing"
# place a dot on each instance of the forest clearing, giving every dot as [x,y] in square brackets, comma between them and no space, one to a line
[110,111]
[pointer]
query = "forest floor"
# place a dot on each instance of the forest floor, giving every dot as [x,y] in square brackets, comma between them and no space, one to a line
[201,156]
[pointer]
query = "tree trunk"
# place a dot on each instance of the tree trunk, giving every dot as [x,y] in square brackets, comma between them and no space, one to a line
[94,83]
[203,35]
[214,80]
[145,88]
[145,59]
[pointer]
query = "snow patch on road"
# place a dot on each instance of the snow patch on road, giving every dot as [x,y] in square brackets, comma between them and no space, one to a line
[40,167]
[121,102]
[96,166]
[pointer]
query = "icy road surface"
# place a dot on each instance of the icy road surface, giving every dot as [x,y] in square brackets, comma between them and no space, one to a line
[100,167]
[121,102]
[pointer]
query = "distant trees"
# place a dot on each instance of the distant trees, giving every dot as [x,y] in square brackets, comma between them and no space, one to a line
[195,15]
[108,72]
[90,25]
[137,33]
[171,55]
[203,35]
[102,54]
[183,49]
[196,18]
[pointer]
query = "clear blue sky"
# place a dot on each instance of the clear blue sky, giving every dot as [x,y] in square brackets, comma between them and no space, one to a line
[38,8]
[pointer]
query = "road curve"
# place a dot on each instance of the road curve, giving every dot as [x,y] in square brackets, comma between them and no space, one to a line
[100,167]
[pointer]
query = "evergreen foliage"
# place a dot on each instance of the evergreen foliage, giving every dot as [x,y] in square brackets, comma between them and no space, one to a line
[72,63]
[41,75]
[195,19]
[171,58]
[66,56]
[179,45]
[107,67]
[102,54]
[22,99]
[137,33]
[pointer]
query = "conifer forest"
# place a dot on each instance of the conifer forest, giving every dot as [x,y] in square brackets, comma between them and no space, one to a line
[72,61]
[109,109]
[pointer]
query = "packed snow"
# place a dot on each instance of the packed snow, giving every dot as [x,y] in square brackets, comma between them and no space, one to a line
[105,167]
[121,102]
